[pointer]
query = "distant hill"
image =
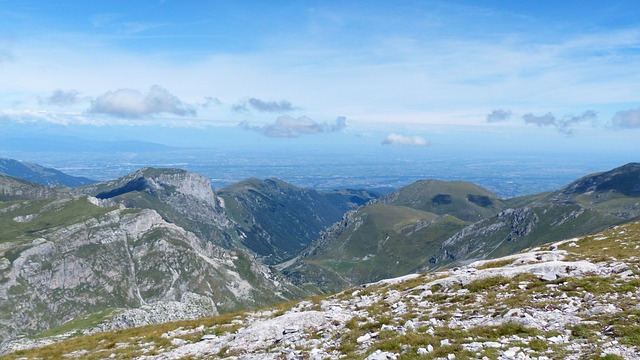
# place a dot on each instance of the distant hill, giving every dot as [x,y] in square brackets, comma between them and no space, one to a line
[464,200]
[40,174]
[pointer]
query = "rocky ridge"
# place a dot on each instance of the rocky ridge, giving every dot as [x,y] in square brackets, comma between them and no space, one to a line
[575,299]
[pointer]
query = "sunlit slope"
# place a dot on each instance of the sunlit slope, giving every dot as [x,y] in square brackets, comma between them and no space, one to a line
[375,242]
[464,200]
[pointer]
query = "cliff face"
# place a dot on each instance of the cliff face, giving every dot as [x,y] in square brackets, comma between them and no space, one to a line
[68,257]
[180,197]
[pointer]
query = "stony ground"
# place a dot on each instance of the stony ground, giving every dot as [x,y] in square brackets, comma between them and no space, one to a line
[579,299]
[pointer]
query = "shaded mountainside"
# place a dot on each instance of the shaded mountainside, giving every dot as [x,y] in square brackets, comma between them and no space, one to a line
[66,257]
[278,219]
[577,299]
[467,223]
[39,174]
[624,180]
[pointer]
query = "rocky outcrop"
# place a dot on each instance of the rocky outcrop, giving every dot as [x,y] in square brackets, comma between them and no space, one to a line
[114,257]
[14,189]
[179,196]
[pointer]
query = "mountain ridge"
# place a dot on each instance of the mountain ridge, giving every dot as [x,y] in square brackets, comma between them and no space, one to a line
[39,174]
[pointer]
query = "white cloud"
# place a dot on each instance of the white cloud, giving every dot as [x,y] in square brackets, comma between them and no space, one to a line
[128,103]
[290,127]
[61,98]
[498,116]
[404,140]
[265,106]
[564,125]
[629,119]
[542,120]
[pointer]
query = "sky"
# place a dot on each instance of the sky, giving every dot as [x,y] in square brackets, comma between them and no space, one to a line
[469,75]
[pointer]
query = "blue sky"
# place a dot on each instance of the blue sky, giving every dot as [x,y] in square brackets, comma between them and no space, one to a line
[538,74]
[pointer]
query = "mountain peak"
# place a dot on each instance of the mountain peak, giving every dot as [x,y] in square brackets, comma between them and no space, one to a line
[624,179]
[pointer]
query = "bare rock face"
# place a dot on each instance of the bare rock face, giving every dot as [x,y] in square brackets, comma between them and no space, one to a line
[179,196]
[119,258]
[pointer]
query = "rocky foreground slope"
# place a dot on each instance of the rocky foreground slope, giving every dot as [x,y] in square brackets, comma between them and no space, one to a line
[577,299]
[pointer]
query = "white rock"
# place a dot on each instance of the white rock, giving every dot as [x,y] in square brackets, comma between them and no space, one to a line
[509,354]
[492,344]
[363,338]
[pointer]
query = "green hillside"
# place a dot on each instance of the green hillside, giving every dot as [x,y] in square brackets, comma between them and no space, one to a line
[461,199]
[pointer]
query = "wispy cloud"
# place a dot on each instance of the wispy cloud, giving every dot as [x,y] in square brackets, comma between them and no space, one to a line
[264,106]
[100,20]
[542,120]
[210,101]
[628,119]
[61,98]
[290,127]
[499,116]
[564,125]
[34,116]
[405,140]
[128,103]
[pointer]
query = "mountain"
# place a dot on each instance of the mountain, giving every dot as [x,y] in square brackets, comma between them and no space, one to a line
[433,224]
[393,235]
[576,299]
[179,196]
[278,220]
[118,260]
[464,200]
[39,174]
[624,180]
[590,204]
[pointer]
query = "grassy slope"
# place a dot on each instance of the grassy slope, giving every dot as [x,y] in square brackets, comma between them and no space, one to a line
[386,241]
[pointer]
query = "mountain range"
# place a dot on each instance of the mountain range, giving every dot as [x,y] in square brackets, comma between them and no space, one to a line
[160,244]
